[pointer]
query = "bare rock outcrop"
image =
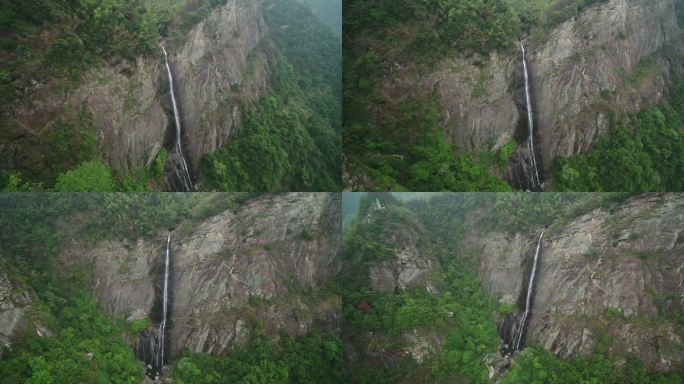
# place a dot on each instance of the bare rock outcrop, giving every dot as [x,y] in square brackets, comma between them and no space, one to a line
[602,274]
[222,67]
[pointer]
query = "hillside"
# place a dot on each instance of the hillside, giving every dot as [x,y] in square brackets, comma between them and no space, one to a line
[87,102]
[250,279]
[514,288]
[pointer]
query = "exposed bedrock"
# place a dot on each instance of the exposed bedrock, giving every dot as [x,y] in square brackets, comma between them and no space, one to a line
[257,266]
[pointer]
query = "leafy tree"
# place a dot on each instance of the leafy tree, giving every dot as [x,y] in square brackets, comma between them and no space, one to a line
[91,176]
[267,361]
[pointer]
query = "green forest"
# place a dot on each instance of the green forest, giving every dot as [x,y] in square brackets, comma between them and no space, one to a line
[462,311]
[294,130]
[83,344]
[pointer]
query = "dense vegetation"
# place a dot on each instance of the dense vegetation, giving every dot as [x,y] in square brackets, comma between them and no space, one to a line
[312,359]
[462,313]
[538,366]
[328,11]
[397,143]
[79,343]
[87,347]
[641,153]
[291,140]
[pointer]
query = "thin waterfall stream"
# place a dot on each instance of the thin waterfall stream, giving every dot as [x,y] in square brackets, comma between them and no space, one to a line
[534,173]
[161,362]
[528,301]
[184,169]
[152,345]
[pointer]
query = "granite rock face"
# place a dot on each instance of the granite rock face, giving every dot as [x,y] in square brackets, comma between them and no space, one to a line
[613,272]
[259,265]
[608,273]
[609,57]
[578,72]
[221,68]
[21,312]
[585,66]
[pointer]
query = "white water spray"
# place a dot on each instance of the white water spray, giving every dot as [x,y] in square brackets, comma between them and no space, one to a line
[528,303]
[530,123]
[185,172]
[162,326]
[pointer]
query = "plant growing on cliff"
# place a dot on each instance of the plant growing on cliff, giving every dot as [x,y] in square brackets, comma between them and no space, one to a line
[311,359]
[644,153]
[139,325]
[87,347]
[91,176]
[307,234]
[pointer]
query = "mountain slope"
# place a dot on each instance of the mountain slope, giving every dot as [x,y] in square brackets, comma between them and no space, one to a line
[251,278]
[434,290]
[439,104]
[109,103]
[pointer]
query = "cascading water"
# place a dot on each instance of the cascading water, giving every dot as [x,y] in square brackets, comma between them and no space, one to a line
[151,345]
[161,362]
[184,170]
[534,173]
[528,301]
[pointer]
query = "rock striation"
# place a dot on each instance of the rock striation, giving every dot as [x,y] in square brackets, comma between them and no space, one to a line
[609,57]
[614,272]
[223,66]
[602,274]
[257,267]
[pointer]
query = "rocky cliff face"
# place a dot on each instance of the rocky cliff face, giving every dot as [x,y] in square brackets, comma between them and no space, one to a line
[597,53]
[617,274]
[612,273]
[257,267]
[604,58]
[125,103]
[221,68]
[15,312]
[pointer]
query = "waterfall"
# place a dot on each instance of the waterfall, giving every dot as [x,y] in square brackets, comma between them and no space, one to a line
[184,170]
[528,302]
[530,124]
[165,306]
